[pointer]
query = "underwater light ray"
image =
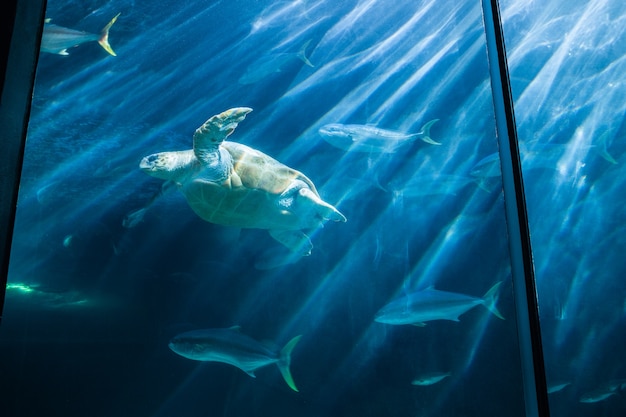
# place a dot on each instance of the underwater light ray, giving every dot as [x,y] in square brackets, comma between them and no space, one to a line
[599,335]
[279,13]
[574,301]
[578,291]
[537,94]
[124,92]
[394,41]
[354,61]
[318,305]
[351,18]
[363,92]
[274,12]
[479,330]
[447,43]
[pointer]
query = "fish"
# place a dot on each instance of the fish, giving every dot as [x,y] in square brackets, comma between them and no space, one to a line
[430,304]
[271,64]
[232,347]
[366,138]
[68,241]
[430,378]
[487,167]
[56,39]
[604,141]
[557,386]
[134,217]
[604,392]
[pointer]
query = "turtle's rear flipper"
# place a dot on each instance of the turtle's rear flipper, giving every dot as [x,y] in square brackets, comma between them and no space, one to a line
[294,240]
[323,209]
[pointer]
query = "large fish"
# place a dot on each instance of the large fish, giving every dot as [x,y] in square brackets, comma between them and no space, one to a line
[430,304]
[366,138]
[56,39]
[234,348]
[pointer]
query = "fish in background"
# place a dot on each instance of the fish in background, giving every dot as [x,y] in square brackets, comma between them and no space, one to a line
[430,378]
[366,138]
[430,304]
[133,218]
[56,39]
[232,347]
[604,142]
[271,64]
[541,156]
[558,386]
[605,391]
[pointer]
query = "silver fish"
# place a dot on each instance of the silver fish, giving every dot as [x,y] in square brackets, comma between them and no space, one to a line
[365,138]
[430,304]
[234,348]
[56,39]
[605,391]
[557,386]
[430,378]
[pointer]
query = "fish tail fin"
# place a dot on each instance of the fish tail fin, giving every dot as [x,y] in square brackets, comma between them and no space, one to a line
[491,298]
[603,148]
[302,54]
[104,36]
[425,133]
[284,361]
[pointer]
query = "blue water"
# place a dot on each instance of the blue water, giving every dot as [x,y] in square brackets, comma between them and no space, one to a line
[92,304]
[567,65]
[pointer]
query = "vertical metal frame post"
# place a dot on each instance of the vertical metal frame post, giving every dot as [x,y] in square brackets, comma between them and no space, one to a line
[525,294]
[20,64]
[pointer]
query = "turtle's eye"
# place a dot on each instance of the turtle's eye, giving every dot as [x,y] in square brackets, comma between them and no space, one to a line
[153,158]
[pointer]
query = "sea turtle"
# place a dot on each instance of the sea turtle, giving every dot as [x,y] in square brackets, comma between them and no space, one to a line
[232,184]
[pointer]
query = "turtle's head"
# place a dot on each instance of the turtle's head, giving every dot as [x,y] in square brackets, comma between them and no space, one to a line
[164,165]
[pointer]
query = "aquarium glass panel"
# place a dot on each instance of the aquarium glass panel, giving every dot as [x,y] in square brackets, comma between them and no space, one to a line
[567,64]
[272,208]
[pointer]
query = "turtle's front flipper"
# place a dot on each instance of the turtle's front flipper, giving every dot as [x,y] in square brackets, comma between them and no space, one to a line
[208,137]
[294,240]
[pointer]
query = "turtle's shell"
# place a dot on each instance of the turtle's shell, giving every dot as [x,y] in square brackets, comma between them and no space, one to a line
[249,197]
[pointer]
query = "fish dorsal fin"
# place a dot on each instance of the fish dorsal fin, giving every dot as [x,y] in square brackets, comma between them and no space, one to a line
[236,328]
